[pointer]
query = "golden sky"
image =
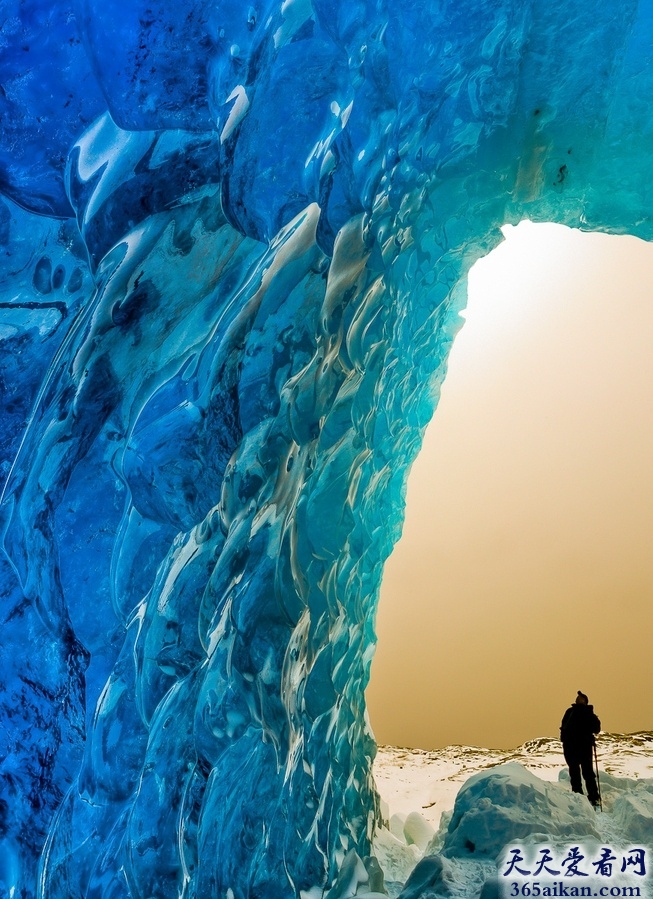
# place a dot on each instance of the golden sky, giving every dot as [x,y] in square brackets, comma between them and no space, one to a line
[525,570]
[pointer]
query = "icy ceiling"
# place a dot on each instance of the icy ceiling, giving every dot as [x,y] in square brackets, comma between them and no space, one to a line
[234,246]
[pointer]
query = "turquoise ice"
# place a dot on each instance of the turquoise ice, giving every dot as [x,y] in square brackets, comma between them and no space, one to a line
[234,245]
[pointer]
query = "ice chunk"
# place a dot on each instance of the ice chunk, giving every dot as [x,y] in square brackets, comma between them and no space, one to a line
[395,857]
[436,877]
[507,804]
[633,813]
[396,828]
[418,831]
[357,878]
[432,877]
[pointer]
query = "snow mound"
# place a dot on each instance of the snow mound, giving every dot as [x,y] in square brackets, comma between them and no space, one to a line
[397,859]
[436,877]
[508,804]
[633,813]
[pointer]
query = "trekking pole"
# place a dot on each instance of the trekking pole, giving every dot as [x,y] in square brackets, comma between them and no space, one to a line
[598,782]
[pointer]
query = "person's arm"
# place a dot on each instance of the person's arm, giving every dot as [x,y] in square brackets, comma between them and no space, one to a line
[563,723]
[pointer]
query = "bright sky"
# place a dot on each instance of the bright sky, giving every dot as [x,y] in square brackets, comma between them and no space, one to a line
[525,571]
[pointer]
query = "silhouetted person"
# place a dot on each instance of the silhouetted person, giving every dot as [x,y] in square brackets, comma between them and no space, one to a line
[577,730]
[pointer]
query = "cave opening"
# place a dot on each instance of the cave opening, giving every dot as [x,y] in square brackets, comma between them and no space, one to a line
[525,564]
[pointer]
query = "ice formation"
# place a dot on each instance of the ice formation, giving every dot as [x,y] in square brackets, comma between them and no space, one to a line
[234,243]
[506,805]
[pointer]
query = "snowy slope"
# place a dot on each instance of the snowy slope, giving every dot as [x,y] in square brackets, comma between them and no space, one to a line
[418,790]
[418,780]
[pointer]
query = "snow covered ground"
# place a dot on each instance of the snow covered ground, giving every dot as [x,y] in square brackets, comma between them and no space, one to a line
[416,780]
[418,789]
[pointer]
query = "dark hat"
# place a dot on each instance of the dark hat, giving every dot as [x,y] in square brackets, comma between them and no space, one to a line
[582,697]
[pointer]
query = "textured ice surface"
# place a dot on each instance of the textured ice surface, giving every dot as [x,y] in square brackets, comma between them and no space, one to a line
[234,246]
[509,803]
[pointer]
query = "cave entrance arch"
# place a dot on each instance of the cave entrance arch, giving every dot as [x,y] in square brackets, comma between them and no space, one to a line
[525,562]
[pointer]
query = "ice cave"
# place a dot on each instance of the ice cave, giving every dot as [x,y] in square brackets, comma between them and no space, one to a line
[235,241]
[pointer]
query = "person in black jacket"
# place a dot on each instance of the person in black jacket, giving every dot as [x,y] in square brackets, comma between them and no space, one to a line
[577,730]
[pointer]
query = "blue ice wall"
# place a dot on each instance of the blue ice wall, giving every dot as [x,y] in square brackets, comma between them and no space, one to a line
[234,242]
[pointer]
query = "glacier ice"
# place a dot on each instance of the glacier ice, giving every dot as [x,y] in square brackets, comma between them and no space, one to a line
[510,803]
[235,241]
